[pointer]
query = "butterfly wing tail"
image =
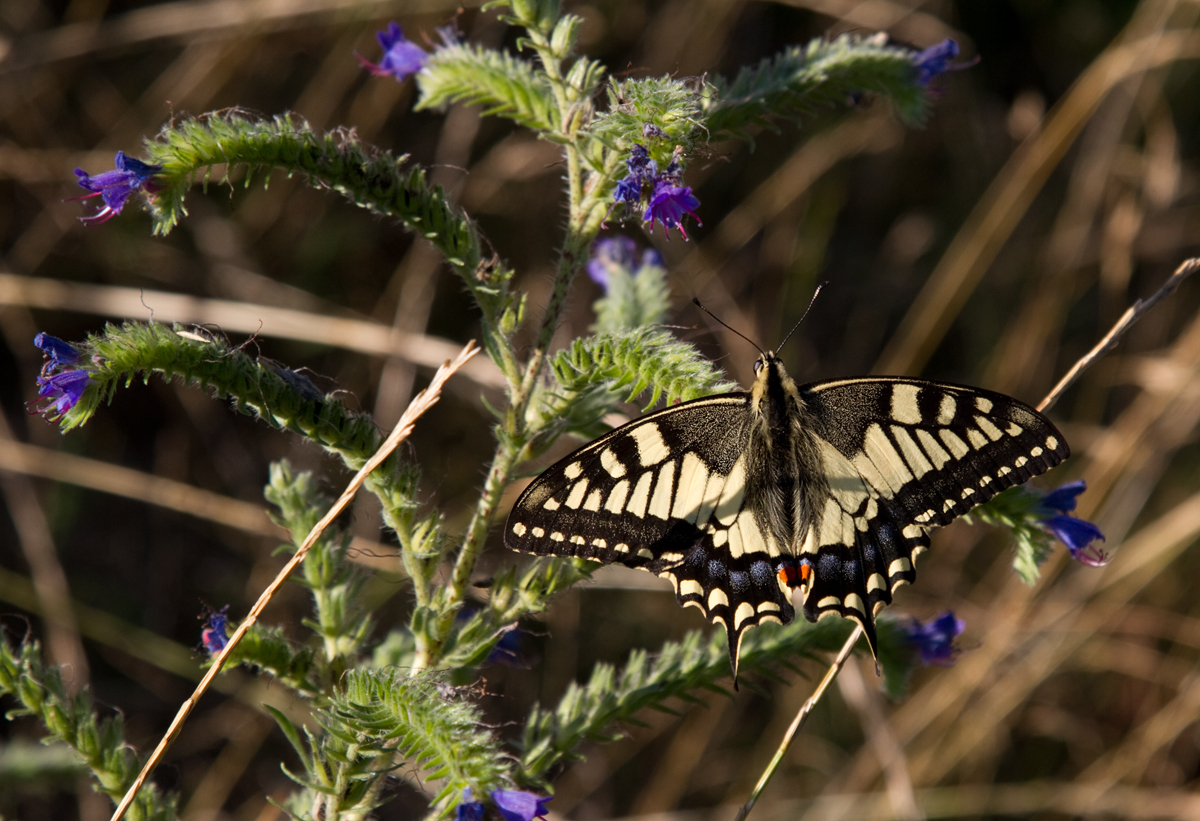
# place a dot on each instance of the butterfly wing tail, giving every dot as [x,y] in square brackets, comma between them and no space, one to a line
[738,592]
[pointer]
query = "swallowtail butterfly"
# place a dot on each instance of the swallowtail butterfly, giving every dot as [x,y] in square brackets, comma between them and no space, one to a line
[831,488]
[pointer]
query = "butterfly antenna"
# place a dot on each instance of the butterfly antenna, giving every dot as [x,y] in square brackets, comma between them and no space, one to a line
[700,305]
[811,303]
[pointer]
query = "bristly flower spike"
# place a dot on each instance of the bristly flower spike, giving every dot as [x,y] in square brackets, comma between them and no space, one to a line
[114,187]
[402,58]
[609,253]
[1079,535]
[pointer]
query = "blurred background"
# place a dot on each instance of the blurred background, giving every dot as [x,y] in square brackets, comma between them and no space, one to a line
[1055,183]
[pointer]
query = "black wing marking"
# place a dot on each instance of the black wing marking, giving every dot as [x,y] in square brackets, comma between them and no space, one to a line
[914,455]
[665,493]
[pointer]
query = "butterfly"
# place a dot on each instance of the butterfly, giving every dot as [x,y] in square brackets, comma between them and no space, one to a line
[829,488]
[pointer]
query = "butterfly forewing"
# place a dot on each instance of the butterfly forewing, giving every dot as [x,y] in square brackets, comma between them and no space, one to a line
[668,494]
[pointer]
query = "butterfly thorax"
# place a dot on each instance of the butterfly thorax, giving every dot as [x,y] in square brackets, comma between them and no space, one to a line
[785,471]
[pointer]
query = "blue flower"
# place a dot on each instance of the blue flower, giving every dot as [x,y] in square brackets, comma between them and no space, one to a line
[651,258]
[935,640]
[642,170]
[515,805]
[1062,499]
[668,201]
[114,187]
[629,189]
[61,387]
[935,60]
[609,253]
[402,58]
[60,353]
[1079,535]
[216,635]
[62,391]
[668,205]
[639,162]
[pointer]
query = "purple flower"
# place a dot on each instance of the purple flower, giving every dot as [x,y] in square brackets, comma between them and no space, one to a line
[935,60]
[642,169]
[668,200]
[62,391]
[935,640]
[668,205]
[60,353]
[1062,499]
[60,388]
[216,635]
[114,187]
[402,58]
[469,810]
[609,253]
[629,189]
[515,805]
[1079,535]
[639,162]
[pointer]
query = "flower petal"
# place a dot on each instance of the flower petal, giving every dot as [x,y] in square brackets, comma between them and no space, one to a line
[1077,535]
[1062,499]
[935,60]
[59,352]
[516,805]
[402,58]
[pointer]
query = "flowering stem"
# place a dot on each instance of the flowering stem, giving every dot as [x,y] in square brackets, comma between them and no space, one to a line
[419,405]
[584,218]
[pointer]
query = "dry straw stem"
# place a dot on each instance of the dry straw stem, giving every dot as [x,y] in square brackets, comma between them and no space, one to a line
[1008,198]
[1110,340]
[421,403]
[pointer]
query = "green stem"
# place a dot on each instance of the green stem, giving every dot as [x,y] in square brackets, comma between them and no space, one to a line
[582,226]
